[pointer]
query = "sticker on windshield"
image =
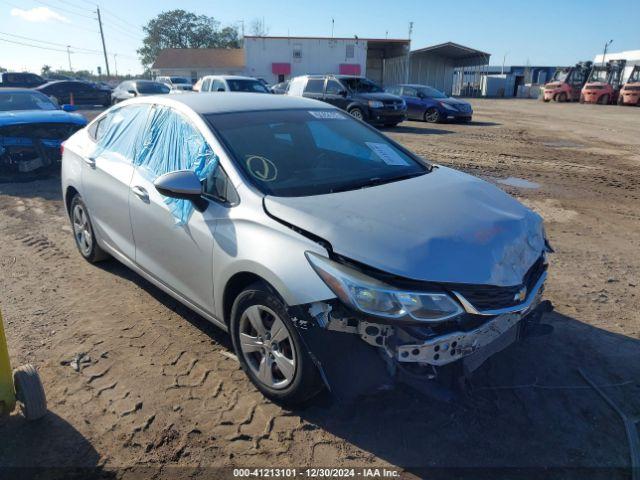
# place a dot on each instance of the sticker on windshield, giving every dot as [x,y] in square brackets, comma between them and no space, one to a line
[387,154]
[261,168]
[327,115]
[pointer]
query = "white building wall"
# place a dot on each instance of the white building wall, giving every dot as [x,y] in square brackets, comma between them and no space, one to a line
[199,72]
[316,56]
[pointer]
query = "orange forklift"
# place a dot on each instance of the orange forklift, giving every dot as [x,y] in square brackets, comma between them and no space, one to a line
[603,84]
[567,83]
[630,91]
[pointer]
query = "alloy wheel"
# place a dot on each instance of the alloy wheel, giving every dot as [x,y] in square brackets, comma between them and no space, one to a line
[267,347]
[82,230]
[356,113]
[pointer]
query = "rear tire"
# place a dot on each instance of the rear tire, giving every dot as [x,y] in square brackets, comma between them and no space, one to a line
[581,98]
[620,100]
[604,99]
[562,97]
[432,115]
[30,392]
[258,306]
[83,231]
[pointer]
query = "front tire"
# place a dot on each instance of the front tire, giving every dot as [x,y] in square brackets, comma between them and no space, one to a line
[562,97]
[432,115]
[356,112]
[604,99]
[83,232]
[269,348]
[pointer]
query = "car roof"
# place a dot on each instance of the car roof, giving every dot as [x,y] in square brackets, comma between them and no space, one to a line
[231,77]
[227,102]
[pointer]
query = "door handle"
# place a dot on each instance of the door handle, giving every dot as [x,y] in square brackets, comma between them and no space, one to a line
[91,161]
[141,193]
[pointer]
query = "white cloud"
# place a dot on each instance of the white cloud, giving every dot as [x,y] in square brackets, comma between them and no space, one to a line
[38,14]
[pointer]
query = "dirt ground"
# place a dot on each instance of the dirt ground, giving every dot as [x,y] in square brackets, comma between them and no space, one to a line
[161,396]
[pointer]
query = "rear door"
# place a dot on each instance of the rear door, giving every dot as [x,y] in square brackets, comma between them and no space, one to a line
[107,173]
[173,240]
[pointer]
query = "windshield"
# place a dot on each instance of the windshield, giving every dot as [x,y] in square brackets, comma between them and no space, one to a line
[246,85]
[25,101]
[179,80]
[635,76]
[361,85]
[431,92]
[152,87]
[598,75]
[561,75]
[311,152]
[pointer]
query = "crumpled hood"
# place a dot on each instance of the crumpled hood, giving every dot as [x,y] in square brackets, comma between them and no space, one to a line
[445,226]
[21,117]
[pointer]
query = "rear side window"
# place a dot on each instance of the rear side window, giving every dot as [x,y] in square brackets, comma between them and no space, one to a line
[314,85]
[120,131]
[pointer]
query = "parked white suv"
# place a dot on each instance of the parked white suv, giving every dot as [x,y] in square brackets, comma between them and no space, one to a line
[176,84]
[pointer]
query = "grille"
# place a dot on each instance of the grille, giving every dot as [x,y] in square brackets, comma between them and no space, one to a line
[489,297]
[396,104]
[632,88]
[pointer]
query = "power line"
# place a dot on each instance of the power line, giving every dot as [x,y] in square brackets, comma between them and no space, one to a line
[66,10]
[49,43]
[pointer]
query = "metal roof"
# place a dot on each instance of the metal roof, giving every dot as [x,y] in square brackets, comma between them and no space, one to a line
[200,57]
[459,53]
[354,38]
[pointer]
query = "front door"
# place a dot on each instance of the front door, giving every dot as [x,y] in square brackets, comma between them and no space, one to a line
[415,108]
[335,94]
[173,240]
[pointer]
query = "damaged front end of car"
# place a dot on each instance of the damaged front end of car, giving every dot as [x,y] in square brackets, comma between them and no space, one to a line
[381,331]
[28,149]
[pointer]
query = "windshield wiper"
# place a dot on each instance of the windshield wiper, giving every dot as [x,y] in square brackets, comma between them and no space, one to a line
[375,181]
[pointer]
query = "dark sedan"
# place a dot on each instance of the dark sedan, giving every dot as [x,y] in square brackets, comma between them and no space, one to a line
[76,92]
[134,88]
[431,105]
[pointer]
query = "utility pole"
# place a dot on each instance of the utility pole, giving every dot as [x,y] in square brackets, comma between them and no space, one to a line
[69,56]
[504,59]
[407,70]
[115,62]
[332,25]
[604,54]
[104,47]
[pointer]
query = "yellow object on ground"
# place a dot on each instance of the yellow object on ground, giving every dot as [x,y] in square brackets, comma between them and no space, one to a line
[7,390]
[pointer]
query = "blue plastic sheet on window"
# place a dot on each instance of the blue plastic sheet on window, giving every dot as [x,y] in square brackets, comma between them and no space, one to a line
[172,143]
[158,141]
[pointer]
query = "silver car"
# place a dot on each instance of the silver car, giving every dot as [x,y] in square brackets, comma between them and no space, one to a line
[332,255]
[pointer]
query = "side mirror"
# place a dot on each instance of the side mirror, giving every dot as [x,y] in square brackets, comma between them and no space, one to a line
[221,89]
[421,95]
[182,184]
[343,93]
[68,108]
[133,92]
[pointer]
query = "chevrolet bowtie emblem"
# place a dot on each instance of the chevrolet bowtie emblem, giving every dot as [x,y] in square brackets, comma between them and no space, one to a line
[521,295]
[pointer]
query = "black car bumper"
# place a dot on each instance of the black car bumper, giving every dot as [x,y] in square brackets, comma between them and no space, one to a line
[383,116]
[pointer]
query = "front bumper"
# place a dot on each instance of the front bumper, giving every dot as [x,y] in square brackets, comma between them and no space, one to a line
[384,116]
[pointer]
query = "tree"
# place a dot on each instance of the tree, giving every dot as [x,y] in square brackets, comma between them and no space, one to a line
[181,29]
[45,71]
[259,28]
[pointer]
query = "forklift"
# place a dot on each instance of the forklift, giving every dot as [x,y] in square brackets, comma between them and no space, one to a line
[567,83]
[630,91]
[603,84]
[21,386]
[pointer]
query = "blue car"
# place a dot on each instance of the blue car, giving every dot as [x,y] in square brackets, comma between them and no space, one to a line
[32,129]
[431,105]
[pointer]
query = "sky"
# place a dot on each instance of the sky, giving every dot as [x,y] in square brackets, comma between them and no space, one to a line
[544,32]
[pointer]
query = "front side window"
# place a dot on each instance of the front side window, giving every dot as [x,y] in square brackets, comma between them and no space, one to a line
[334,87]
[409,91]
[361,85]
[246,85]
[152,88]
[218,86]
[430,92]
[314,85]
[311,152]
[170,143]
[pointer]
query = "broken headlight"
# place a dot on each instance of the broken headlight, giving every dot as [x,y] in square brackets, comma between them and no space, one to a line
[371,296]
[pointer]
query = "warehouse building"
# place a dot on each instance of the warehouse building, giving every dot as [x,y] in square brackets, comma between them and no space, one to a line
[436,66]
[195,63]
[277,59]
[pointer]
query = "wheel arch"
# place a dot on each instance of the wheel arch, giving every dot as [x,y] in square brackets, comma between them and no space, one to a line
[68,196]
[236,284]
